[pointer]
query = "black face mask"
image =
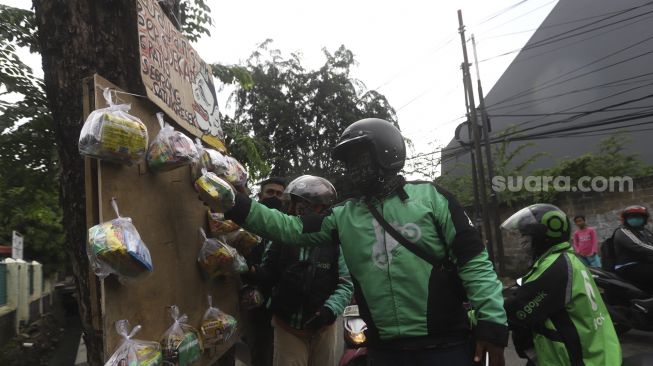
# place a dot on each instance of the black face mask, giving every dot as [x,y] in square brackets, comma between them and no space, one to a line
[273,203]
[362,172]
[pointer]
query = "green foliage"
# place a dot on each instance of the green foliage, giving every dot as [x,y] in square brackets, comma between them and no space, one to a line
[233,74]
[29,194]
[195,18]
[461,186]
[296,115]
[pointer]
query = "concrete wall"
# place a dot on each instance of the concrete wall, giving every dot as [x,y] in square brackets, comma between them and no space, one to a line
[23,307]
[601,210]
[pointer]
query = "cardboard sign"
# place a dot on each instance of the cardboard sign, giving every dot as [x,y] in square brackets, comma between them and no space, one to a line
[175,77]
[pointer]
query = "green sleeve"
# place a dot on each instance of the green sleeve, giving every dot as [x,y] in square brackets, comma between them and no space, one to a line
[277,226]
[465,247]
[342,296]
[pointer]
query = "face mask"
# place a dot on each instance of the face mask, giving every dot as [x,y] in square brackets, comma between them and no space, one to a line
[635,221]
[361,171]
[272,202]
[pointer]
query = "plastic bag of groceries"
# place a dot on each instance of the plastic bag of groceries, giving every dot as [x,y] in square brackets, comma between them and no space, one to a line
[236,173]
[217,193]
[217,326]
[116,247]
[170,149]
[251,297]
[112,134]
[180,344]
[214,161]
[218,226]
[134,352]
[242,240]
[240,264]
[216,258]
[196,165]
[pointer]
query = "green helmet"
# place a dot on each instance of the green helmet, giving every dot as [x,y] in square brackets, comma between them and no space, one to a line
[546,224]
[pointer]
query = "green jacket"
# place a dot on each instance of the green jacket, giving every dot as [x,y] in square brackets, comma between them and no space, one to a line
[560,303]
[403,299]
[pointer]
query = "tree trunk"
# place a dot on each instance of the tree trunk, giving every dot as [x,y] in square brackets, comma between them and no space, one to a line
[79,38]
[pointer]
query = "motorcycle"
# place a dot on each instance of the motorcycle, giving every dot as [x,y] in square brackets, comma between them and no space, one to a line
[355,353]
[629,307]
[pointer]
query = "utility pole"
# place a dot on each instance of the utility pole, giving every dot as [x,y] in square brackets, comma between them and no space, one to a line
[477,139]
[490,166]
[472,156]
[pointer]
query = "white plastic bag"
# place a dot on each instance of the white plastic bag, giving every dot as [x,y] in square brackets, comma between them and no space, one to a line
[116,247]
[215,192]
[170,149]
[236,173]
[181,344]
[112,134]
[217,326]
[214,161]
[216,258]
[134,352]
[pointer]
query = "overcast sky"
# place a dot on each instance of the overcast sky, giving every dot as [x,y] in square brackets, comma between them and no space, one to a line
[410,50]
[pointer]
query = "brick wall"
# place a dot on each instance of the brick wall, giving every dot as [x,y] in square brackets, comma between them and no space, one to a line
[601,211]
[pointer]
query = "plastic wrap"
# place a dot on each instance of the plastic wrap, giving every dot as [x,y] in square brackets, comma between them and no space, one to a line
[196,165]
[242,240]
[112,134]
[181,344]
[217,326]
[170,149]
[235,173]
[116,247]
[215,192]
[218,226]
[251,297]
[213,161]
[134,352]
[216,258]
[240,264]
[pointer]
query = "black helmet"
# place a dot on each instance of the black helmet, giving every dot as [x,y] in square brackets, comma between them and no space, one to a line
[387,145]
[546,224]
[315,190]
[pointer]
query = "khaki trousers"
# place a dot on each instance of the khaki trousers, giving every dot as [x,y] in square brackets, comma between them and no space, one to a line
[318,350]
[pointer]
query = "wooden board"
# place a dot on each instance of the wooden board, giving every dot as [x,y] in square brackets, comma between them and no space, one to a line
[167,213]
[175,77]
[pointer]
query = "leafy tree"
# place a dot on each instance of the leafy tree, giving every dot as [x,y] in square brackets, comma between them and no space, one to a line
[296,115]
[29,199]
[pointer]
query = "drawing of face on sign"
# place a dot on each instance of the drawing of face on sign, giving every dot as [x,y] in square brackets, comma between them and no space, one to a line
[205,104]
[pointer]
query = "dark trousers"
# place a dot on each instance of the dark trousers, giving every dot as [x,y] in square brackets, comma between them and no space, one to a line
[260,337]
[640,274]
[461,355]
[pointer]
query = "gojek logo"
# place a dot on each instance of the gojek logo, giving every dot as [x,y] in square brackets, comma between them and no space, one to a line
[532,305]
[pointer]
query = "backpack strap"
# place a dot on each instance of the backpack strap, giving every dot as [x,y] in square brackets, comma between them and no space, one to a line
[412,247]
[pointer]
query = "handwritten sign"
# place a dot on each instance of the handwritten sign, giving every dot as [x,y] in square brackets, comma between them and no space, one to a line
[175,77]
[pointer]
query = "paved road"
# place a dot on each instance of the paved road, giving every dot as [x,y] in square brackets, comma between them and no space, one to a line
[632,343]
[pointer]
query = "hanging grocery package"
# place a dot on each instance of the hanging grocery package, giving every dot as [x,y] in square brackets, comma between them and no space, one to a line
[196,165]
[217,326]
[181,344]
[218,226]
[134,352]
[217,193]
[216,258]
[115,247]
[170,149]
[251,297]
[112,134]
[242,240]
[240,264]
[214,161]
[236,173]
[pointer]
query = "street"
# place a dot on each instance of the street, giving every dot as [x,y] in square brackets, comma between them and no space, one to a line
[632,343]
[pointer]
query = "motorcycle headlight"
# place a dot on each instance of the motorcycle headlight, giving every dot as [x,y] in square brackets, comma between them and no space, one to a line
[356,338]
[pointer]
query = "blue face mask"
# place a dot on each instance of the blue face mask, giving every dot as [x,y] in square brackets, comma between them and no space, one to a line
[635,221]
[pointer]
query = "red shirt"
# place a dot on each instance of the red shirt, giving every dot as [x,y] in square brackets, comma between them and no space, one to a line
[586,242]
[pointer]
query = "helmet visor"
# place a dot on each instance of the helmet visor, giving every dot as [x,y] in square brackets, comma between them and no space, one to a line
[519,221]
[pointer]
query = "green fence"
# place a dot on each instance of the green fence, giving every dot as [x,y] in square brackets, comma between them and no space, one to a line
[3,284]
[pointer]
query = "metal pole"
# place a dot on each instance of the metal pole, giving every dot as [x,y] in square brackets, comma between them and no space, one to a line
[490,166]
[477,140]
[477,201]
